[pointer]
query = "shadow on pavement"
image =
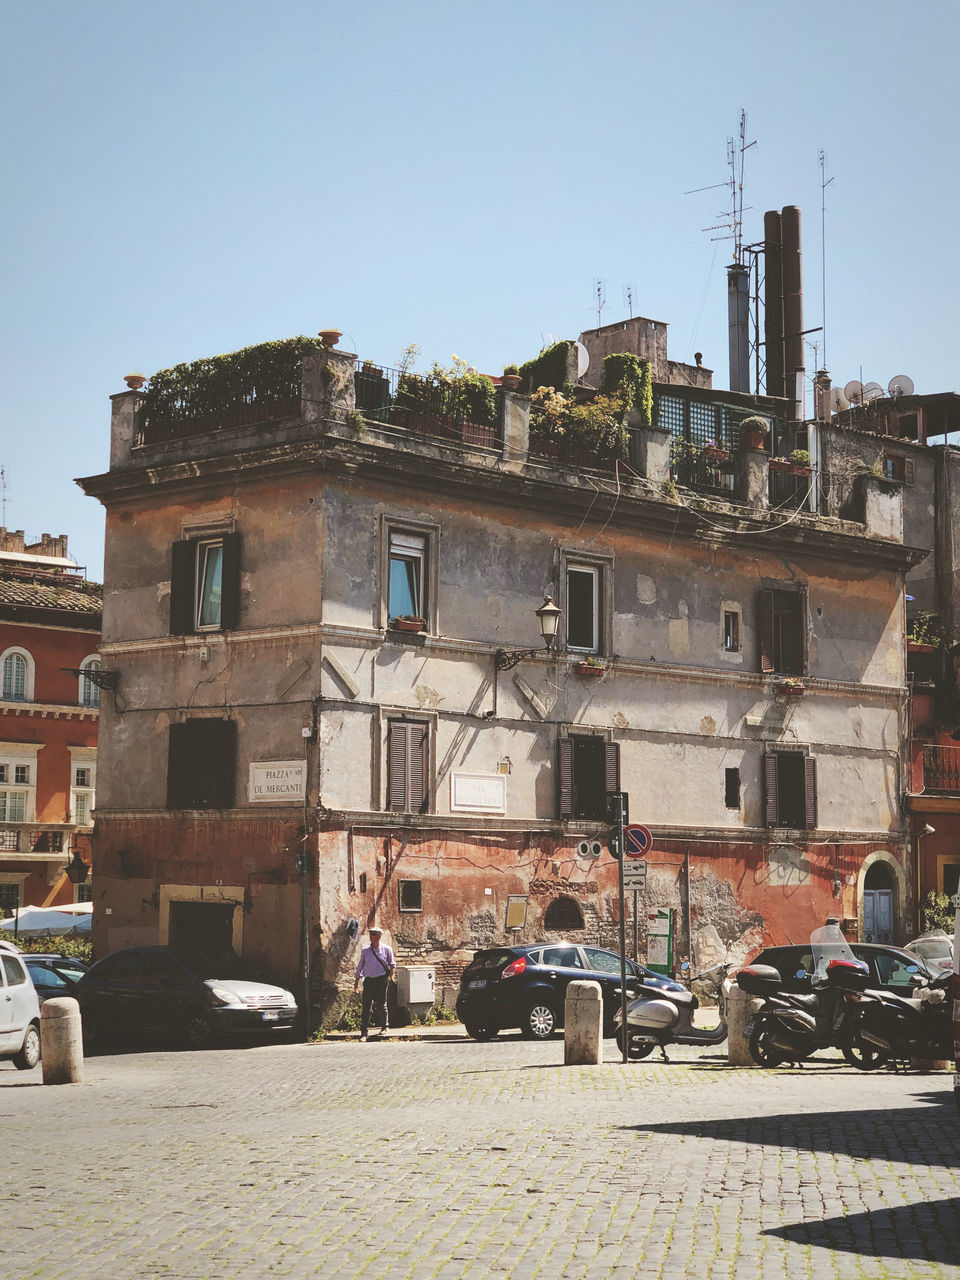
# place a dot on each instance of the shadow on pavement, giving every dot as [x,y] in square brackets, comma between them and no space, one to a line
[928,1232]
[883,1134]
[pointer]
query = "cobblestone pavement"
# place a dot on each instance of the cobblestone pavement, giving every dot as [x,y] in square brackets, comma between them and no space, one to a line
[445,1159]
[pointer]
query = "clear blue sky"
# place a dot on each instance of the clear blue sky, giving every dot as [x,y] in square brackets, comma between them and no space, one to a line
[183,179]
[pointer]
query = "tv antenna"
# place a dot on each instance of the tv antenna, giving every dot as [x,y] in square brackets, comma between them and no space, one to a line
[600,289]
[628,291]
[733,223]
[824,183]
[3,496]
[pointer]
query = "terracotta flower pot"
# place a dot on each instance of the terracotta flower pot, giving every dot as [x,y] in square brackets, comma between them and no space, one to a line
[590,669]
[134,380]
[752,440]
[330,337]
[780,464]
[510,381]
[409,624]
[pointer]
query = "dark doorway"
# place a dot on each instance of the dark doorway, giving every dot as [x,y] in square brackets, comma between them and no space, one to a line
[878,904]
[207,926]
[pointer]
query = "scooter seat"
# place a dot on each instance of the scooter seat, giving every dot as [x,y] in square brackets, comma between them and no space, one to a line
[801,1001]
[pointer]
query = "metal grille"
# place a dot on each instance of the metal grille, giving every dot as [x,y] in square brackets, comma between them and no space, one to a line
[9,898]
[9,839]
[788,490]
[941,768]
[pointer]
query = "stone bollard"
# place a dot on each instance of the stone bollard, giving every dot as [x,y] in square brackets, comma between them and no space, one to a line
[740,1008]
[61,1041]
[582,1021]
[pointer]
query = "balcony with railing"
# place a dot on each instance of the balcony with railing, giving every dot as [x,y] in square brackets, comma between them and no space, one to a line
[458,409]
[941,768]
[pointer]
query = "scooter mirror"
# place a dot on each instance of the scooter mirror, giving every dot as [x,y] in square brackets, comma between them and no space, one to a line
[801,973]
[685,966]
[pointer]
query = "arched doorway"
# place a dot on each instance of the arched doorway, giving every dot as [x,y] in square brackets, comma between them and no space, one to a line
[878,912]
[563,916]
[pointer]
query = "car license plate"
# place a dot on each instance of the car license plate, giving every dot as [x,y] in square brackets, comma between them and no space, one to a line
[476,984]
[269,1017]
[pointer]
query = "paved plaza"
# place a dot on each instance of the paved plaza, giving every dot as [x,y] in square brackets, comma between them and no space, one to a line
[445,1159]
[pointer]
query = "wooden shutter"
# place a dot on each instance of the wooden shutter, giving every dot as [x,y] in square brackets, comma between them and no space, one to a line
[177,766]
[183,568]
[809,793]
[217,762]
[417,767]
[396,766]
[770,779]
[611,766]
[765,617]
[230,583]
[565,776]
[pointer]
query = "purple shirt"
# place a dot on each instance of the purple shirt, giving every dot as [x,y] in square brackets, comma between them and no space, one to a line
[368,966]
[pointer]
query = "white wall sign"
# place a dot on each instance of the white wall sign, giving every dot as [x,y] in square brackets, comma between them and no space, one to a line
[478,793]
[277,780]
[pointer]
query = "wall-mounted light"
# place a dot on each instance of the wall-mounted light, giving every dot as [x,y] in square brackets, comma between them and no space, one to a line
[548,615]
[77,869]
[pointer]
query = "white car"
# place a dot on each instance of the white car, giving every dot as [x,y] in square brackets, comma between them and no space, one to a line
[19,1013]
[935,949]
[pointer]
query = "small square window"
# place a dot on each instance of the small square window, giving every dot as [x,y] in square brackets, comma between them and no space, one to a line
[21,773]
[82,778]
[411,895]
[4,773]
[731,631]
[363,882]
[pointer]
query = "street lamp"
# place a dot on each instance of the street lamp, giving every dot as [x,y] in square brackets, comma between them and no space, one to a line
[77,869]
[548,615]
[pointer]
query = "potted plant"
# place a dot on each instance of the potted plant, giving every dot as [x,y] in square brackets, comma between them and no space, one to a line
[716,452]
[409,622]
[800,461]
[780,464]
[134,380]
[330,337]
[510,381]
[592,666]
[753,432]
[791,687]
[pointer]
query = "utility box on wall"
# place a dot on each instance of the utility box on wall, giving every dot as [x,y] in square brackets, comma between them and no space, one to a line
[416,984]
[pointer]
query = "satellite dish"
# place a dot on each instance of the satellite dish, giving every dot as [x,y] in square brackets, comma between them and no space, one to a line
[583,359]
[872,391]
[854,391]
[838,401]
[901,385]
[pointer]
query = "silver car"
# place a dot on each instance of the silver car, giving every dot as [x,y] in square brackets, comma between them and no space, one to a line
[19,1012]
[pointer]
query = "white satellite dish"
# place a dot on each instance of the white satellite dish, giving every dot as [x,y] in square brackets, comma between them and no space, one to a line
[872,391]
[583,359]
[838,401]
[901,385]
[854,391]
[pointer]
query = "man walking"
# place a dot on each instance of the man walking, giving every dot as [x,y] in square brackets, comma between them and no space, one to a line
[376,967]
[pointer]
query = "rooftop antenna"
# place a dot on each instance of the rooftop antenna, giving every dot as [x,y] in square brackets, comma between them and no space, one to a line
[824,183]
[736,159]
[600,289]
[3,496]
[628,297]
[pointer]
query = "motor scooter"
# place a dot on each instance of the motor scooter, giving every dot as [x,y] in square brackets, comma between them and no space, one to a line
[656,1018]
[790,1026]
[891,1027]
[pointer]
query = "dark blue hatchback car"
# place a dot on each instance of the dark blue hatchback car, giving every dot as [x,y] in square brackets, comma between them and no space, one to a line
[525,987]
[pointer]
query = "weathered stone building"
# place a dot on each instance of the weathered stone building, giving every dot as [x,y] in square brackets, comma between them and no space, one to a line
[333,699]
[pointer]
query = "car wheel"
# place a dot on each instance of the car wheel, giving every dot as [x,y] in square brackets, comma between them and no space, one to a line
[481,1030]
[540,1021]
[29,1054]
[635,1051]
[197,1031]
[762,1049]
[865,1057]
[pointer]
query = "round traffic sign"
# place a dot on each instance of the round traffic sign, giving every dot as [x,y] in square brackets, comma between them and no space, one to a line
[637,840]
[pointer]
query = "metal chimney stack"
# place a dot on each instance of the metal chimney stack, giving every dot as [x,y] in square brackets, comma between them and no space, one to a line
[783,307]
[738,318]
[773,303]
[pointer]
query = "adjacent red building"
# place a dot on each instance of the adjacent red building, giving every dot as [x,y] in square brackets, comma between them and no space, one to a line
[49,710]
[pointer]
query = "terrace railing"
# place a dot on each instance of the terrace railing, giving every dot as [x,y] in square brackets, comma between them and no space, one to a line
[941,768]
[445,411]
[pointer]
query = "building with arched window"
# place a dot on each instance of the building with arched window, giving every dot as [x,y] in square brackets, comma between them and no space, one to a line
[49,713]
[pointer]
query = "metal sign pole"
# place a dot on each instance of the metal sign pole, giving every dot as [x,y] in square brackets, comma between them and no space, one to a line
[636,924]
[623,932]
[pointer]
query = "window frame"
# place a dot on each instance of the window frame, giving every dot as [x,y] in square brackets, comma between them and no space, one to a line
[771,601]
[88,693]
[734,612]
[29,673]
[209,747]
[567,741]
[773,787]
[396,526]
[601,567]
[404,907]
[83,759]
[408,793]
[14,756]
[186,584]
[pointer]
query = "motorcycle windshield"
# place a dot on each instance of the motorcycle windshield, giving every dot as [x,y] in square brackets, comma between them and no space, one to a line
[828,943]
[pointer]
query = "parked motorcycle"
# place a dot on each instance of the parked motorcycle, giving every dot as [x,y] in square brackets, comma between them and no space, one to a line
[790,1026]
[656,1018]
[889,1027]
